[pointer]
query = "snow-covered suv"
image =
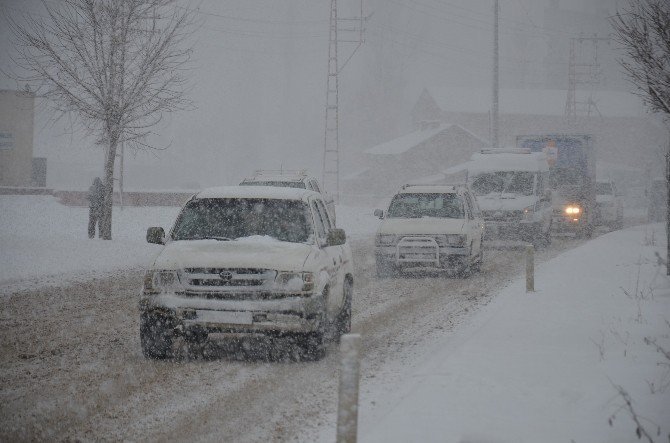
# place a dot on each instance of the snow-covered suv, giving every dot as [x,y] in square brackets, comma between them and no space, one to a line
[438,226]
[246,260]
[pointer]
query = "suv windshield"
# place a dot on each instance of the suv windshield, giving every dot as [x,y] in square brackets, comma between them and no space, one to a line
[278,184]
[233,218]
[511,182]
[426,205]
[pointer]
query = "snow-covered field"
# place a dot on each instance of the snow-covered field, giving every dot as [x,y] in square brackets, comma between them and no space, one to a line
[44,242]
[553,365]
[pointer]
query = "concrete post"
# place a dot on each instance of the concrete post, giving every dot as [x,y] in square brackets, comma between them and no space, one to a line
[347,409]
[530,268]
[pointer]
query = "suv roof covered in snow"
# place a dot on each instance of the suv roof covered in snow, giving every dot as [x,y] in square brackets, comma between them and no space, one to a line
[270,192]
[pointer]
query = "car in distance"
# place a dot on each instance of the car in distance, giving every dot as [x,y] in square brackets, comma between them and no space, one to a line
[290,179]
[435,226]
[248,260]
[609,205]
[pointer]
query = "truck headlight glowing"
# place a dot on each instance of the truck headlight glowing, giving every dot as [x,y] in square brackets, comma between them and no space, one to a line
[295,281]
[572,210]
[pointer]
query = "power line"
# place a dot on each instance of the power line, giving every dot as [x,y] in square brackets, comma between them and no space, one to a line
[258,20]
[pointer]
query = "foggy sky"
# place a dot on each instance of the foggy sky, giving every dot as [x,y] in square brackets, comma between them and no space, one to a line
[258,83]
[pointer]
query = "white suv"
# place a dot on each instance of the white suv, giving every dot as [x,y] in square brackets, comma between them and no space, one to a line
[290,179]
[248,260]
[437,226]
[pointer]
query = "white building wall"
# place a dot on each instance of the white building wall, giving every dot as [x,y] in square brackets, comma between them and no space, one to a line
[17,111]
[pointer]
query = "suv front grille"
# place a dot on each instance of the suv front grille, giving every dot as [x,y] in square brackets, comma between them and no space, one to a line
[196,278]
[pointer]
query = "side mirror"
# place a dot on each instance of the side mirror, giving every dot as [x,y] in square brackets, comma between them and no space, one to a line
[156,235]
[336,237]
[379,213]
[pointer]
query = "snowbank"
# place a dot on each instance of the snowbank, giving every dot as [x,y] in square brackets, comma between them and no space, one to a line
[546,366]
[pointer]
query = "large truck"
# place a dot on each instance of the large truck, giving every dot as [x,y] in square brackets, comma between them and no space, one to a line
[572,176]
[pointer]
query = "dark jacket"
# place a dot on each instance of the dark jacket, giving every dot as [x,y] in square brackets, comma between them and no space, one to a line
[96,195]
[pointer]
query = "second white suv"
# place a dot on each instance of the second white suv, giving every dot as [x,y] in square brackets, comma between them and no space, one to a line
[284,178]
[437,226]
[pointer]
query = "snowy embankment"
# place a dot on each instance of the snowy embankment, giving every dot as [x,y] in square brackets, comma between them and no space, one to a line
[553,365]
[44,242]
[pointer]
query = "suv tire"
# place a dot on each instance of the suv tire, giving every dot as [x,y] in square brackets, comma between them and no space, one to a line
[156,335]
[342,323]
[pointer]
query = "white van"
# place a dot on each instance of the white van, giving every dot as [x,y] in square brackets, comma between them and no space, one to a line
[512,189]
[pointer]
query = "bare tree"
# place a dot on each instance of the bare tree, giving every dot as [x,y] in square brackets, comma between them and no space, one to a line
[643,28]
[117,64]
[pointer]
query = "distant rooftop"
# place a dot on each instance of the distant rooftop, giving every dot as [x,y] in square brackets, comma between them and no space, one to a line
[413,139]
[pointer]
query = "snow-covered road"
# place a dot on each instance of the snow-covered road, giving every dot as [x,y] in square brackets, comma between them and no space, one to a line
[72,368]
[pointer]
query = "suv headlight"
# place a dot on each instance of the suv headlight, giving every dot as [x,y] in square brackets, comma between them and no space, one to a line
[295,281]
[456,239]
[385,239]
[162,281]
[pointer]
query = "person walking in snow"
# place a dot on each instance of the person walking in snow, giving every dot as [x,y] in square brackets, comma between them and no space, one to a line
[96,194]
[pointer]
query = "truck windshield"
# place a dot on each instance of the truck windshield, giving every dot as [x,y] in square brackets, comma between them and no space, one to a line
[426,205]
[278,184]
[233,218]
[510,182]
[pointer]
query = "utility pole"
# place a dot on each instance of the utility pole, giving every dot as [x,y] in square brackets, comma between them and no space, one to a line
[667,209]
[121,176]
[331,144]
[494,140]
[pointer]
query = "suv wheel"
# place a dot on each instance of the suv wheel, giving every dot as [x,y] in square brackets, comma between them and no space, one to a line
[480,261]
[156,335]
[313,344]
[342,323]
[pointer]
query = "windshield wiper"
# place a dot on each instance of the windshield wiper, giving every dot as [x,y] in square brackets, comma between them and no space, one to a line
[212,237]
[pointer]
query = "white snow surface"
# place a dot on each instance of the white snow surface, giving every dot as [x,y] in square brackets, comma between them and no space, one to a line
[45,242]
[544,366]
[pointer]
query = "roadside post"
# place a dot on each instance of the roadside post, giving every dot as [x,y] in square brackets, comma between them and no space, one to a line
[530,268]
[347,409]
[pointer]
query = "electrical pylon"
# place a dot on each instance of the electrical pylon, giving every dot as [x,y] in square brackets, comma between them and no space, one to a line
[331,144]
[582,72]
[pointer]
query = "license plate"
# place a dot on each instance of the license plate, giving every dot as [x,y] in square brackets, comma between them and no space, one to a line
[227,317]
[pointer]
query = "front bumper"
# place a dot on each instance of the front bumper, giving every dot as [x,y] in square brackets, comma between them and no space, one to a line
[297,314]
[428,254]
[565,224]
